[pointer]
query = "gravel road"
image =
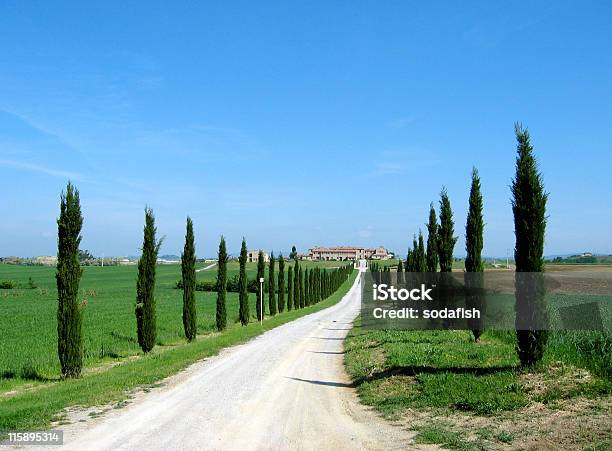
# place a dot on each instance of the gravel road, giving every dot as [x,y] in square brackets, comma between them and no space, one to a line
[286,389]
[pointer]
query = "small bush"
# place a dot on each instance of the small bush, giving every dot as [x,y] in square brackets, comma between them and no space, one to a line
[7,284]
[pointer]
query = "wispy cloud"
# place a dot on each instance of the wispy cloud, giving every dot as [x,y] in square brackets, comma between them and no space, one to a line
[42,169]
[41,130]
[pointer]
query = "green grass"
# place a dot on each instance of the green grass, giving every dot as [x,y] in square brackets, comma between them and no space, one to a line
[28,350]
[28,317]
[397,370]
[29,359]
[440,435]
[444,374]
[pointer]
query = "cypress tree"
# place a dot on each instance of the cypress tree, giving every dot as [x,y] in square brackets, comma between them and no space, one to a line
[293,254]
[301,288]
[221,286]
[243,283]
[400,272]
[446,240]
[413,256]
[296,286]
[474,231]
[313,276]
[145,285]
[311,292]
[289,287]
[306,287]
[260,303]
[432,241]
[67,277]
[323,284]
[281,284]
[318,284]
[529,208]
[474,228]
[188,260]
[421,262]
[272,286]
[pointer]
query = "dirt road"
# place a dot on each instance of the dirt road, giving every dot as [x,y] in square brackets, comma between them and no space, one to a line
[212,265]
[286,389]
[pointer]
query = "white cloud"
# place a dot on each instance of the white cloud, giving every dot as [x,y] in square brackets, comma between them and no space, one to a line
[42,169]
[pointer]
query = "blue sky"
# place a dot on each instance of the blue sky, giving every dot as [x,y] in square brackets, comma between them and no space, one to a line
[300,122]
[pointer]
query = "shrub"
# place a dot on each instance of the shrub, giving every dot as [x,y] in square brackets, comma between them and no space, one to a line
[8,284]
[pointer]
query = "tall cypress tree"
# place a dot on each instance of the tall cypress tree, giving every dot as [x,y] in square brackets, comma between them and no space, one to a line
[318,284]
[400,273]
[310,287]
[281,284]
[432,240]
[289,287]
[272,286]
[306,287]
[529,208]
[324,283]
[421,262]
[243,286]
[188,260]
[260,303]
[446,240]
[409,265]
[67,277]
[474,240]
[301,288]
[413,254]
[296,286]
[221,315]
[145,285]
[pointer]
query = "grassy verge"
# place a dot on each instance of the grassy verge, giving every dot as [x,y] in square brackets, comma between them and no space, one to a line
[36,408]
[466,395]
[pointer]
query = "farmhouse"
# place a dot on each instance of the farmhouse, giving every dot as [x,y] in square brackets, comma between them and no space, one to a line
[348,253]
[252,256]
[46,260]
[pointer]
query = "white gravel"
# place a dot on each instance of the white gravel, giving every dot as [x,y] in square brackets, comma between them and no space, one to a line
[286,389]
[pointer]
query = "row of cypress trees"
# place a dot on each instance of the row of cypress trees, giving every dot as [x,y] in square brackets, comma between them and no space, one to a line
[305,287]
[529,209]
[68,276]
[312,285]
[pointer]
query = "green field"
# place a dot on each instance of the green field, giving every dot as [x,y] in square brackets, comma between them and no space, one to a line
[28,349]
[33,398]
[466,395]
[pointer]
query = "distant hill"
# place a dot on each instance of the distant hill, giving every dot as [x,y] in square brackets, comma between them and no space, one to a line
[169,257]
[585,258]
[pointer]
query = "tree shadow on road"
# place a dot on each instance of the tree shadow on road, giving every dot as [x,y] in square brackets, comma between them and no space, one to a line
[413,370]
[326,383]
